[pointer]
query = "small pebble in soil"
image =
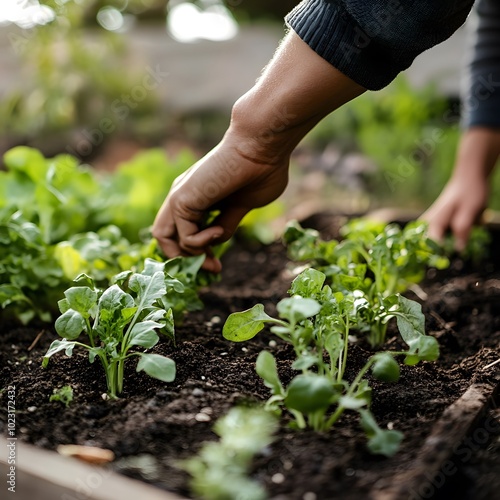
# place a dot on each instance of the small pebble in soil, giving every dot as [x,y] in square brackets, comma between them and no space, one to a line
[203,377]
[272,343]
[350,472]
[104,396]
[244,349]
[223,353]
[278,478]
[207,410]
[202,417]
[215,320]
[287,465]
[198,392]
[309,496]
[31,409]
[390,426]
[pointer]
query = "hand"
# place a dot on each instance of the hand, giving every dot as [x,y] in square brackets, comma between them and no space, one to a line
[226,180]
[458,208]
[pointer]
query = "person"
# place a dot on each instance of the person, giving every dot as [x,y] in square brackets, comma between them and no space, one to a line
[465,196]
[334,51]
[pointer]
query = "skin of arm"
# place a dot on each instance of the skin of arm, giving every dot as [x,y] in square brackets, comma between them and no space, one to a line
[465,195]
[249,167]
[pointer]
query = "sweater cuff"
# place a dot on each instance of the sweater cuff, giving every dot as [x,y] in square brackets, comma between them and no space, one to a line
[335,35]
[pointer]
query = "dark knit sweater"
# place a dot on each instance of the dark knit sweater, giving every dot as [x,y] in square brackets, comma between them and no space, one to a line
[481,89]
[371,41]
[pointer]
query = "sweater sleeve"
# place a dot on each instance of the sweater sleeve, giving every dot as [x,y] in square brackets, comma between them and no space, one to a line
[481,92]
[372,41]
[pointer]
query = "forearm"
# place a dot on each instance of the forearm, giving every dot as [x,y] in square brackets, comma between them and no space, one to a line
[296,90]
[477,155]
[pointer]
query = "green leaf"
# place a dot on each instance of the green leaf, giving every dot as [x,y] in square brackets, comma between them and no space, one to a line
[381,442]
[55,347]
[81,299]
[309,393]
[70,324]
[308,283]
[245,325]
[297,308]
[157,366]
[410,319]
[385,368]
[114,298]
[148,288]
[144,335]
[267,370]
[423,348]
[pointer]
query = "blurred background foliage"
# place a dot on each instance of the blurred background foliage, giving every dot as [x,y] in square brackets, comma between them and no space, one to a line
[74,53]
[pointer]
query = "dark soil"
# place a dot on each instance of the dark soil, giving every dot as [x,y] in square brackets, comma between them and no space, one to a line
[155,424]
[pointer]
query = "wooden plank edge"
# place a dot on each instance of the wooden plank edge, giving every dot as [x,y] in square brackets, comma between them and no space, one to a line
[46,475]
[434,458]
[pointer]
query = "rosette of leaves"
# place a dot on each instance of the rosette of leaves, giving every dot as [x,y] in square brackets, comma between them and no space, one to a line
[120,323]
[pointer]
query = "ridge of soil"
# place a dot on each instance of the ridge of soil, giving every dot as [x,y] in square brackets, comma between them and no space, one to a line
[154,425]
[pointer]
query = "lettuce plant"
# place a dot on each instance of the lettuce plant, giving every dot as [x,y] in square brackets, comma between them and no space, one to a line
[317,322]
[119,321]
[375,259]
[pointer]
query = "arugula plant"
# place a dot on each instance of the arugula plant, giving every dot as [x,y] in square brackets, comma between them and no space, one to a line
[378,260]
[124,316]
[220,470]
[317,322]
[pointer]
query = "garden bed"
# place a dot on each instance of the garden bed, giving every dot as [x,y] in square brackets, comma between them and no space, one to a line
[154,425]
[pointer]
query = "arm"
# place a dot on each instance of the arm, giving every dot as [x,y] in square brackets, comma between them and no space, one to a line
[466,194]
[249,168]
[336,50]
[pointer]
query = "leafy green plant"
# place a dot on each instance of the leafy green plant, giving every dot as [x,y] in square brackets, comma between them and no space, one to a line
[220,471]
[63,394]
[317,322]
[375,259]
[126,315]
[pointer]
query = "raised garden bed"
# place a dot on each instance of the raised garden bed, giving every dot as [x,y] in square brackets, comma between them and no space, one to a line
[446,409]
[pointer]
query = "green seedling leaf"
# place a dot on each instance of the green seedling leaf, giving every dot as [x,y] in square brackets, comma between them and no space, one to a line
[296,309]
[267,370]
[410,319]
[352,403]
[148,288]
[114,299]
[385,368]
[58,346]
[308,283]
[63,395]
[245,325]
[70,324]
[81,299]
[144,335]
[381,442]
[157,366]
[423,348]
[309,393]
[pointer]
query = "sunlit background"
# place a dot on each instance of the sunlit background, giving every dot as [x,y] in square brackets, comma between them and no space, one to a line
[103,79]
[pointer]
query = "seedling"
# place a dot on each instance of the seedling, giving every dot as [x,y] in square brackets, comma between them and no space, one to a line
[126,315]
[220,471]
[377,260]
[317,322]
[63,394]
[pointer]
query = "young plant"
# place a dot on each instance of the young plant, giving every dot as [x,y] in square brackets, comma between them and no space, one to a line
[317,322]
[63,395]
[377,259]
[220,471]
[126,315]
